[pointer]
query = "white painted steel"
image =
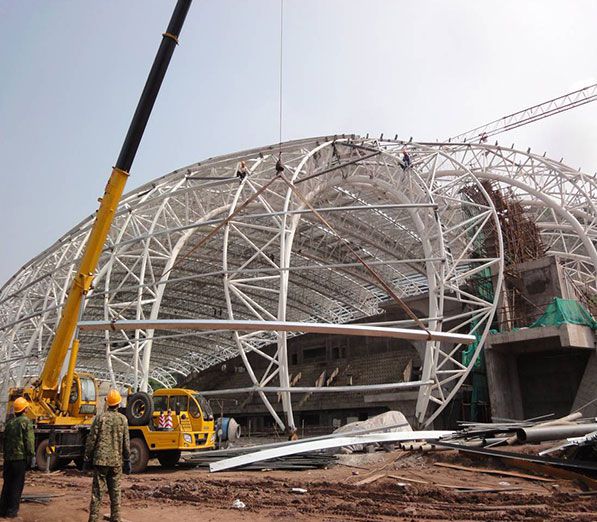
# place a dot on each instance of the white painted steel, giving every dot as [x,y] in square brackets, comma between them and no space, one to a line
[279,326]
[271,259]
[294,448]
[319,389]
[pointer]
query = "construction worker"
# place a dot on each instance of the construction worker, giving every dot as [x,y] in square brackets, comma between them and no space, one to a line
[242,171]
[19,454]
[406,161]
[108,451]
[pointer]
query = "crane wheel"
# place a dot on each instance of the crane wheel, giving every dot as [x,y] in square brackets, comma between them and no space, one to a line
[44,457]
[139,455]
[168,458]
[139,409]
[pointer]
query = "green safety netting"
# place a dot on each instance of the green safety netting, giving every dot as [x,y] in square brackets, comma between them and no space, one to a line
[558,312]
[467,354]
[561,311]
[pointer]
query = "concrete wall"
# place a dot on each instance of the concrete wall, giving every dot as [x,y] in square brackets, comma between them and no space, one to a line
[537,371]
[586,396]
[529,287]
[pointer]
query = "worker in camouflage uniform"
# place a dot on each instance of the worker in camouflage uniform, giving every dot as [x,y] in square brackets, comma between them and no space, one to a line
[108,451]
[19,454]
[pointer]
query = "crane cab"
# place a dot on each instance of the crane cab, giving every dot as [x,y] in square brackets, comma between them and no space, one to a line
[82,400]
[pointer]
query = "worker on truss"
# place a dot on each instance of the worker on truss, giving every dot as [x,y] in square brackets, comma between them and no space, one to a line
[19,454]
[108,451]
[242,171]
[406,161]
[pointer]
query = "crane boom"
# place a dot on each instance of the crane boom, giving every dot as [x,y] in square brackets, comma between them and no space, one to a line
[81,284]
[530,114]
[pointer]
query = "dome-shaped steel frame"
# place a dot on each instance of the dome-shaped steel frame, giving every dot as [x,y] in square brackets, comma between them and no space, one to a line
[202,243]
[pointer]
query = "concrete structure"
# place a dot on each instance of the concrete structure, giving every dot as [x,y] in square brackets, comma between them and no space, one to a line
[543,370]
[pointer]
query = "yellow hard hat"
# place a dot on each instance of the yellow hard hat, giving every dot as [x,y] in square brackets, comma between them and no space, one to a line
[113,398]
[20,405]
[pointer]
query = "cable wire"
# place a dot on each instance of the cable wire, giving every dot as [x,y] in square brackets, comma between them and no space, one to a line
[280,77]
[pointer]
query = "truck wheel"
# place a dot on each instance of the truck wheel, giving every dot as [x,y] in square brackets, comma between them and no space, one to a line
[139,409]
[168,458]
[139,455]
[42,457]
[63,463]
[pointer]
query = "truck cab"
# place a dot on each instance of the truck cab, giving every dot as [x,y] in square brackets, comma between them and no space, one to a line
[190,426]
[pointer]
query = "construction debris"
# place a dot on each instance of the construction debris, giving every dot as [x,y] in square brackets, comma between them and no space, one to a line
[494,472]
[390,421]
[239,504]
[293,448]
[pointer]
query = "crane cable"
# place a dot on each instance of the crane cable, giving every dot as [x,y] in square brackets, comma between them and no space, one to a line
[280,82]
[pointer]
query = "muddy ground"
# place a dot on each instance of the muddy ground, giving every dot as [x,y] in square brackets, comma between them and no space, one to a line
[404,486]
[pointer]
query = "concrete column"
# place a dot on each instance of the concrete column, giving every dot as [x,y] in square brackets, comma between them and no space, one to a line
[504,385]
[587,391]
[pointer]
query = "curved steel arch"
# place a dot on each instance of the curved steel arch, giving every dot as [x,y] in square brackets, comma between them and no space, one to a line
[415,226]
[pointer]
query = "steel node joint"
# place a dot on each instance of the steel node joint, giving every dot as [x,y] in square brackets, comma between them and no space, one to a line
[84,282]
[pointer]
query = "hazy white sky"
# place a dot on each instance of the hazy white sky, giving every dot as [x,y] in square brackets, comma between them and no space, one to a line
[71,73]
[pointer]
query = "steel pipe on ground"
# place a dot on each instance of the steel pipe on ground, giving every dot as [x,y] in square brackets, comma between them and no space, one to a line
[554,432]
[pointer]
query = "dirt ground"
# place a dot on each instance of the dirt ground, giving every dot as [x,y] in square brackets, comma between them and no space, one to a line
[404,486]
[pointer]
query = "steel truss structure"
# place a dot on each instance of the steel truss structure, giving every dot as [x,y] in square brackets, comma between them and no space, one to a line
[345,229]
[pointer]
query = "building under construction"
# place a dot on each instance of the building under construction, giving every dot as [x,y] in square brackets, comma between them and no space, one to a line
[374,306]
[464,239]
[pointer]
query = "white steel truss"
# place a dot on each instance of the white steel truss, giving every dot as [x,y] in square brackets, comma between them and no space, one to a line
[530,114]
[346,228]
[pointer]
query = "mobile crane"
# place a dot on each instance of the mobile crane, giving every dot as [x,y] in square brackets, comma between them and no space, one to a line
[63,409]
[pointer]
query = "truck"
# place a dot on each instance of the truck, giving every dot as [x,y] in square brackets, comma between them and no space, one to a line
[63,408]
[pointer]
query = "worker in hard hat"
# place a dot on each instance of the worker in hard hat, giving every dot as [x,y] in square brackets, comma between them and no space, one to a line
[108,451]
[19,454]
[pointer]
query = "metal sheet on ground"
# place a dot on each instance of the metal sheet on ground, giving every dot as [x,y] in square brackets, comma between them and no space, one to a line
[338,442]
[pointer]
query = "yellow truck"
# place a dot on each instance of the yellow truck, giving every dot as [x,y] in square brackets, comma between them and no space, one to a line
[63,408]
[192,428]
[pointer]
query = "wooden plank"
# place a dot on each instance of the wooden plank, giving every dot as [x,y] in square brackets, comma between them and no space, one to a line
[351,466]
[370,479]
[552,471]
[552,467]
[487,490]
[494,472]
[397,477]
[463,488]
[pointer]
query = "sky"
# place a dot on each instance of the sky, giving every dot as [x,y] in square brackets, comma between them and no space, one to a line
[71,73]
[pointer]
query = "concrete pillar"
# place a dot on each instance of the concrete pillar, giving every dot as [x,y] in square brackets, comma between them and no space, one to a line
[504,384]
[587,391]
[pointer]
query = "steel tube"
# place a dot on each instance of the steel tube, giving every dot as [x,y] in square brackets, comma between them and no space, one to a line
[279,326]
[554,432]
[320,389]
